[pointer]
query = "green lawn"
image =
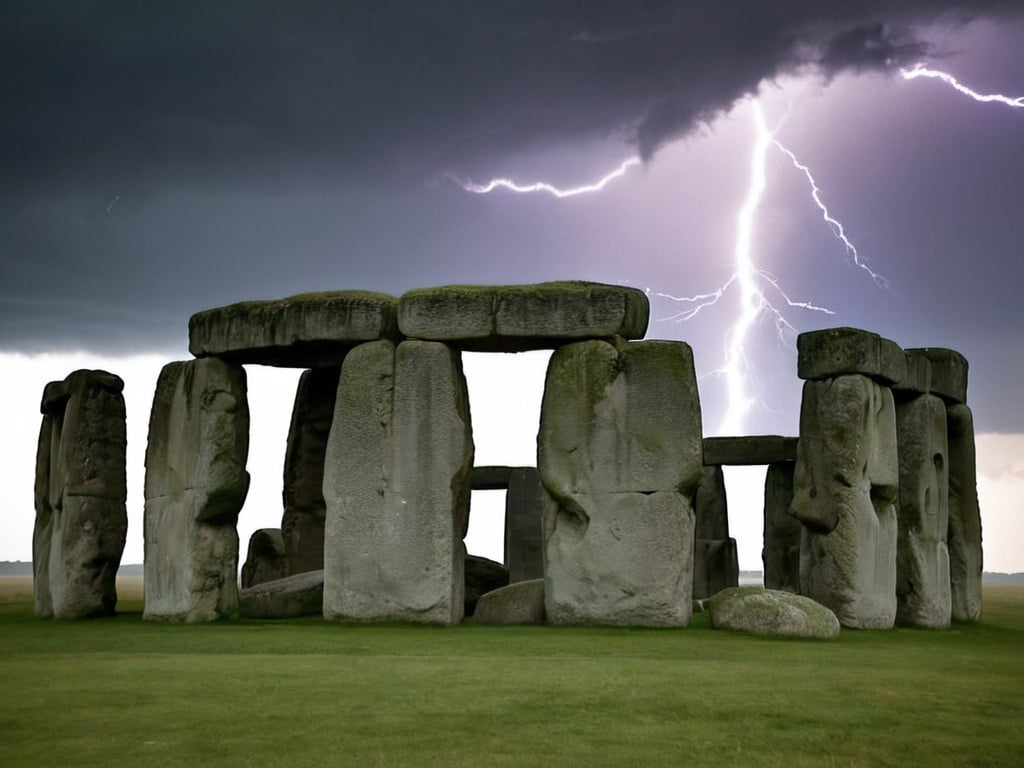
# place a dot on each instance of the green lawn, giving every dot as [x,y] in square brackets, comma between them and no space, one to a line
[305,693]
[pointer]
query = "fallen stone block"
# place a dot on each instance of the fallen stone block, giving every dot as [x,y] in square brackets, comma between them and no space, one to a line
[771,612]
[482,576]
[304,331]
[519,603]
[301,594]
[836,352]
[515,318]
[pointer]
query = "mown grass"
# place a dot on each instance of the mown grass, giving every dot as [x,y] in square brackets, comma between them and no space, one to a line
[122,691]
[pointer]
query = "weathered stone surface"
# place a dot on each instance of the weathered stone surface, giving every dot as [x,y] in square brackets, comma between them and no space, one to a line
[781,552]
[519,603]
[948,373]
[80,491]
[964,535]
[302,331]
[195,486]
[845,486]
[524,534]
[711,505]
[301,594]
[922,559]
[302,524]
[266,559]
[619,454]
[749,450]
[836,352]
[513,318]
[918,380]
[715,566]
[397,485]
[482,576]
[771,612]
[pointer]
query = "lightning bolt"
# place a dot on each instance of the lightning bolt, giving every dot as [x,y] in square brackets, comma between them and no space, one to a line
[919,70]
[752,283]
[543,186]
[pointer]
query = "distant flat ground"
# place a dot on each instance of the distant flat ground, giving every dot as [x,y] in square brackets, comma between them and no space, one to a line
[17,589]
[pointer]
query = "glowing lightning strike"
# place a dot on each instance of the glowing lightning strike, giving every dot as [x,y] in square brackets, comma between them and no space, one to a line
[542,186]
[919,70]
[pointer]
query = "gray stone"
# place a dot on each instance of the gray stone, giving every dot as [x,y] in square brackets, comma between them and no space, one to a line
[488,478]
[524,535]
[781,552]
[711,506]
[301,594]
[948,373]
[519,603]
[844,493]
[303,331]
[750,450]
[619,454]
[482,576]
[715,566]
[266,559]
[80,490]
[922,559]
[771,612]
[196,484]
[964,535]
[918,380]
[302,524]
[836,352]
[397,486]
[514,318]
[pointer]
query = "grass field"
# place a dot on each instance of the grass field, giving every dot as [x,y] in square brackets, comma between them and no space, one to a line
[123,692]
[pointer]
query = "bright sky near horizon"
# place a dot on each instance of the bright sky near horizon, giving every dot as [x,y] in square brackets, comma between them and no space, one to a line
[163,158]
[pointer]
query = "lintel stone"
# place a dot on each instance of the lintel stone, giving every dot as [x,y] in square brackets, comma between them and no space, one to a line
[749,450]
[918,380]
[949,373]
[515,318]
[834,352]
[303,331]
[490,478]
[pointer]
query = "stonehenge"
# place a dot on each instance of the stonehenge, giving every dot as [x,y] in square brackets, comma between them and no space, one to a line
[871,512]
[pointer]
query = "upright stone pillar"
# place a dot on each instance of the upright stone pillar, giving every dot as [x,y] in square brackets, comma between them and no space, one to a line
[195,487]
[397,485]
[782,532]
[922,562]
[846,475]
[302,525]
[619,454]
[80,491]
[949,381]
[524,544]
[715,561]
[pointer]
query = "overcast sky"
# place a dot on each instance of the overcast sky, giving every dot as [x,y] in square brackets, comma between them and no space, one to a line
[162,158]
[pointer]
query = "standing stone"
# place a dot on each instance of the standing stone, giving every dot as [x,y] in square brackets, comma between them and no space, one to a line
[302,525]
[524,543]
[397,485]
[195,487]
[922,560]
[845,486]
[265,559]
[964,536]
[715,561]
[619,454]
[782,531]
[80,492]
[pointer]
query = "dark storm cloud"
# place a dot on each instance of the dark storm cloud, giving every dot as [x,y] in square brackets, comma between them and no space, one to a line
[122,90]
[159,158]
